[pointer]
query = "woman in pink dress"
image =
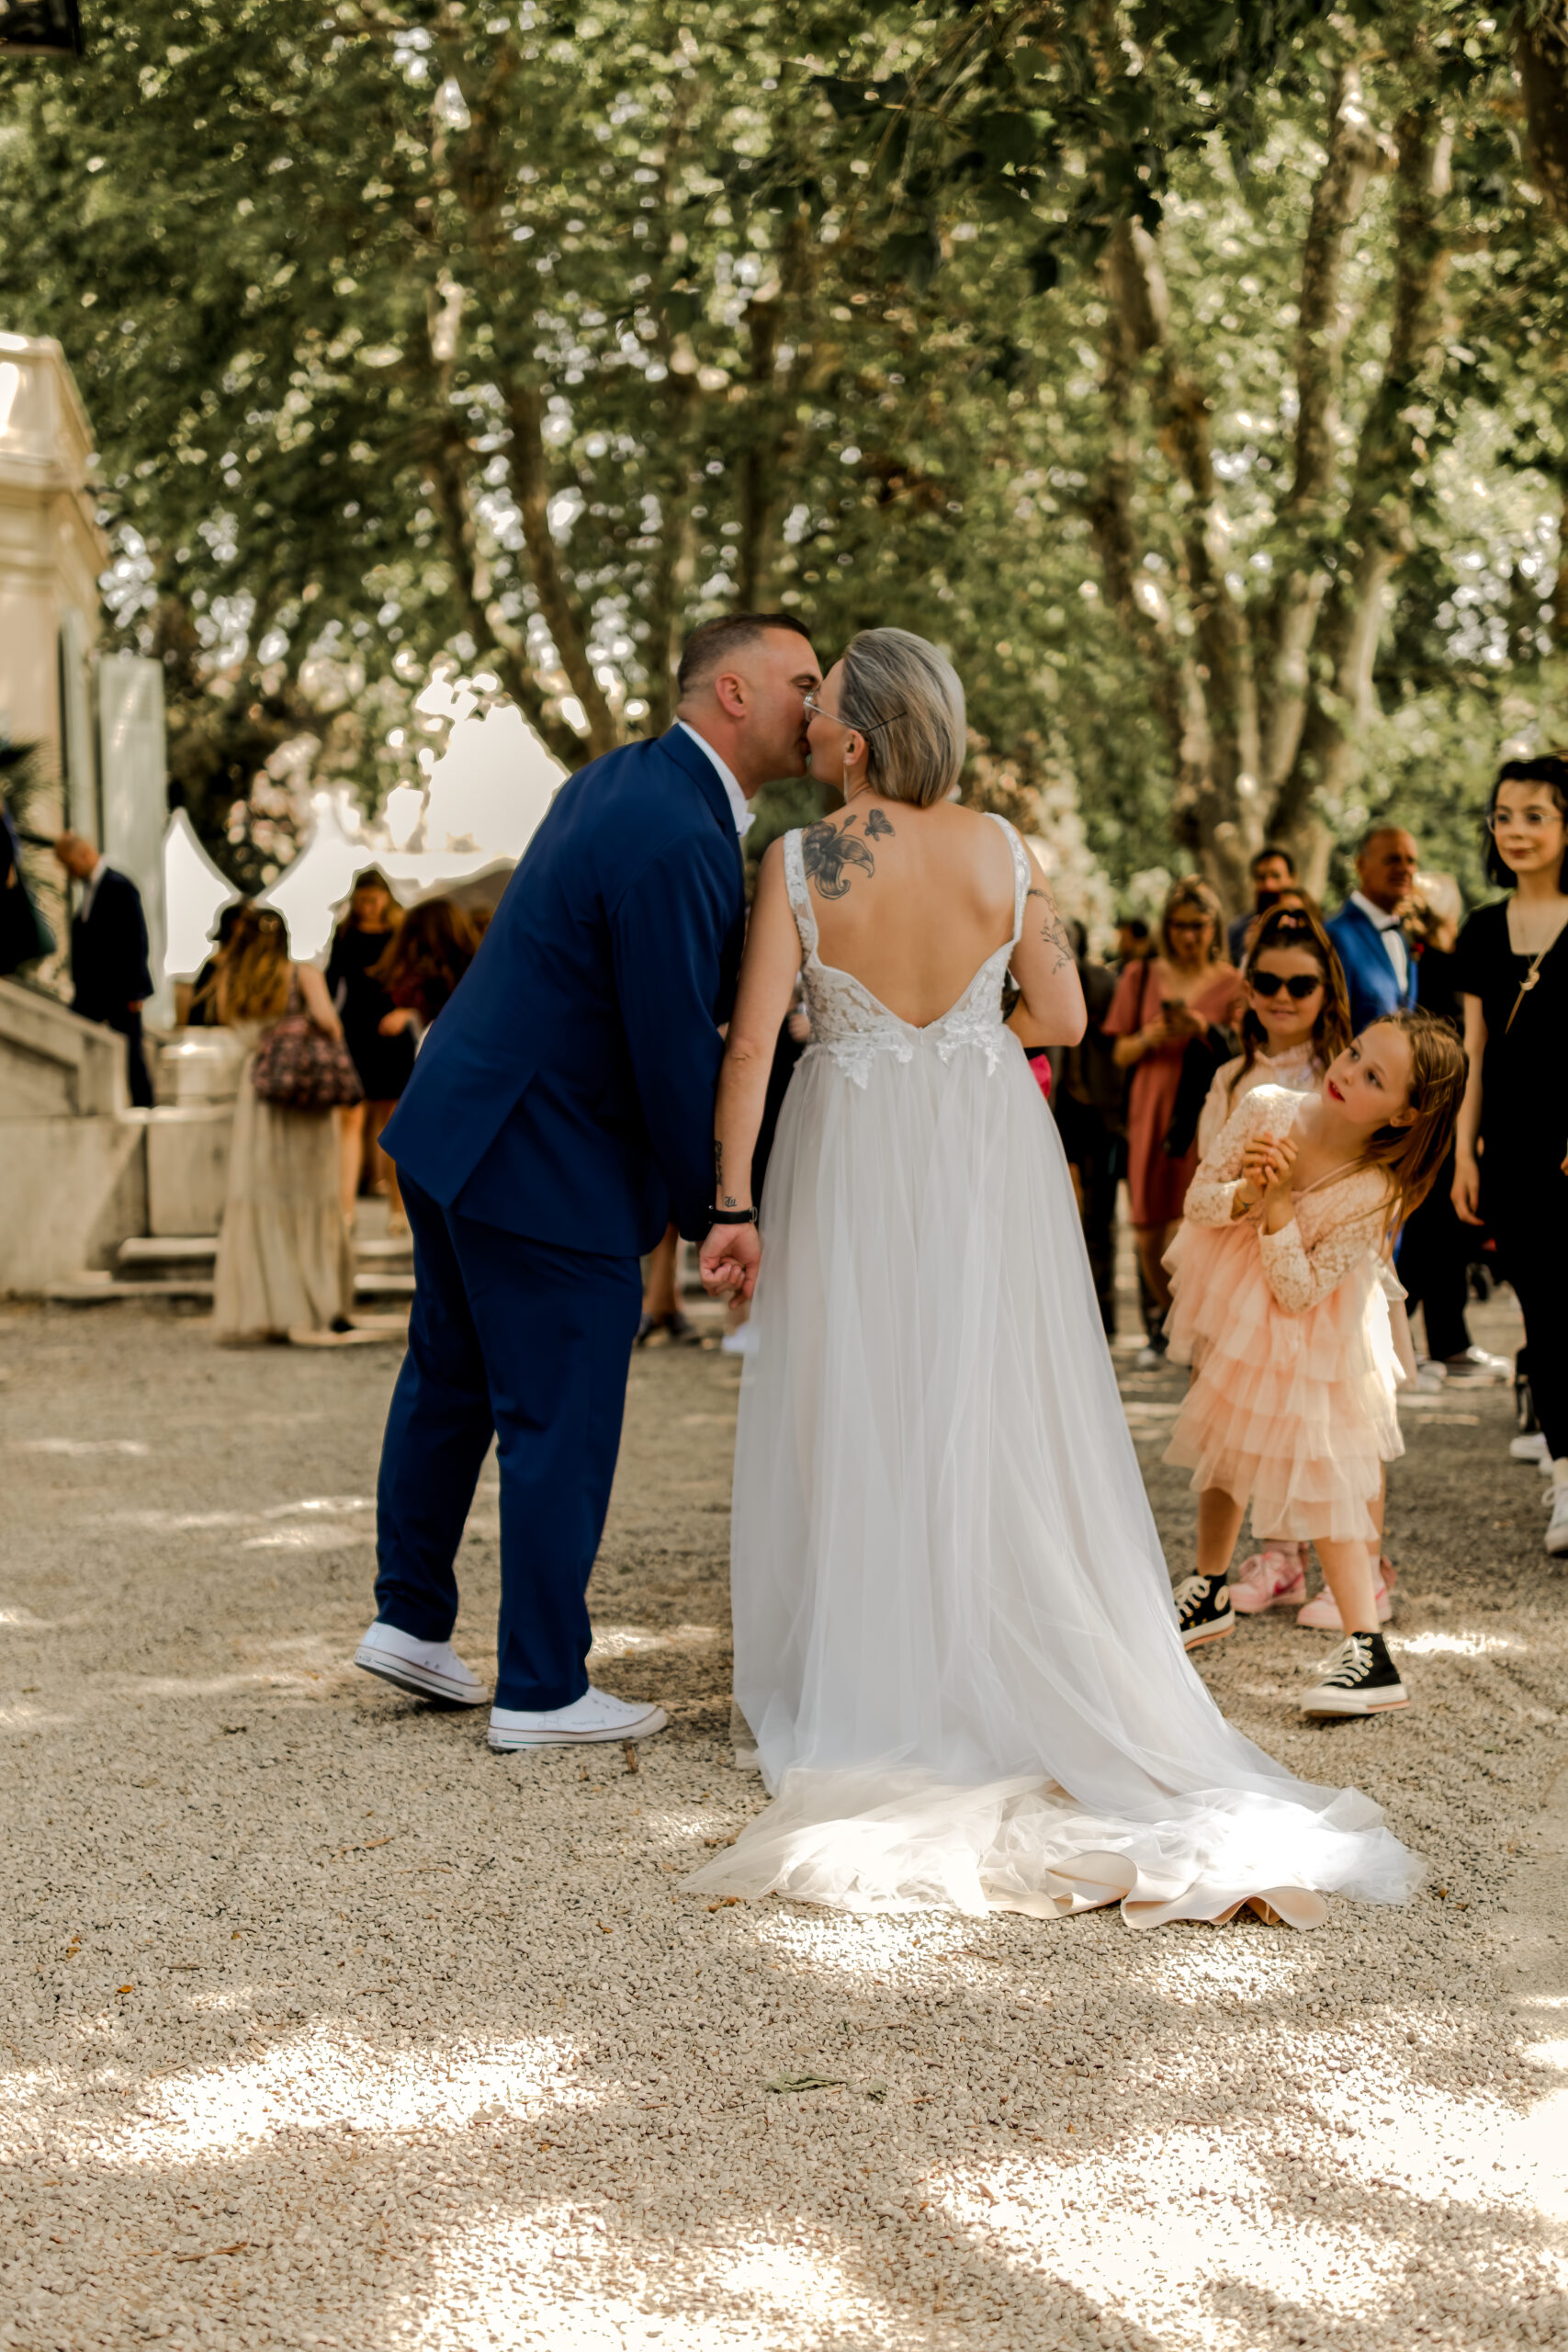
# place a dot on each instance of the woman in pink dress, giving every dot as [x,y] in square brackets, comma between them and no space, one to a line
[1158,1007]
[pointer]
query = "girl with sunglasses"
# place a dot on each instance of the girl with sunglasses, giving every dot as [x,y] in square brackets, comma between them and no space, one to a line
[1297,1015]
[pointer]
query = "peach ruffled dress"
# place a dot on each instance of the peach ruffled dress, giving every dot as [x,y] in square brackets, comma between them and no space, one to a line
[1292,1405]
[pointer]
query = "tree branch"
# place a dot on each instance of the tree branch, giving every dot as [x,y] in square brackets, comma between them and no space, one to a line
[1355,152]
[530,482]
[1224,824]
[451,488]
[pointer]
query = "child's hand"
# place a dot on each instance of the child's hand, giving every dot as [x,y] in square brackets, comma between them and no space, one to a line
[1262,1159]
[1281,1160]
[1266,1167]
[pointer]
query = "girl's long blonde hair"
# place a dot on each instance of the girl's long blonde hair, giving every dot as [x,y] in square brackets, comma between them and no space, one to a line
[1413,1155]
[254,967]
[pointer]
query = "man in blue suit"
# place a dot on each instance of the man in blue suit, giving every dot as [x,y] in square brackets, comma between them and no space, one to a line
[1380,970]
[559,1114]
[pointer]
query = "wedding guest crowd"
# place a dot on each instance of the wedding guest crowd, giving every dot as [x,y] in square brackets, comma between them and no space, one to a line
[313,1045]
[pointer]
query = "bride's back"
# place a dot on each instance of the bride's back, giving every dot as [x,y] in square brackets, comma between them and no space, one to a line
[908,900]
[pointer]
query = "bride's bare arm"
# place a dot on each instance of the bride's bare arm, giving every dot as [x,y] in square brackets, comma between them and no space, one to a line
[1046,971]
[767,979]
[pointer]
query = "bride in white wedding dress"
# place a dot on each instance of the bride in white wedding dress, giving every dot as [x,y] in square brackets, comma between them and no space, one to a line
[954,1642]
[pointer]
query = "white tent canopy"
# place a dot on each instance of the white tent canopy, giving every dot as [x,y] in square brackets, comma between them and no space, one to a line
[485,798]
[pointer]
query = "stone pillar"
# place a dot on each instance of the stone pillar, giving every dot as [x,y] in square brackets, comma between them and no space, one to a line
[52,553]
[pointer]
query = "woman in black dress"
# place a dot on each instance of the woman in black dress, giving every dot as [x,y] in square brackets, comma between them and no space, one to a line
[384,1063]
[1511,1167]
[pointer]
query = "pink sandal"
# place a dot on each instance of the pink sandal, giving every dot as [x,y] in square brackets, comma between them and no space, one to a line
[1272,1578]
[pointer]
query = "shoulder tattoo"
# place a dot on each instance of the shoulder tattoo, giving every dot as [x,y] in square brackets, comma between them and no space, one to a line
[825,853]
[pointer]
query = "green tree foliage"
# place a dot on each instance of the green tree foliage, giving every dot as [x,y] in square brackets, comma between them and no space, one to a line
[1139,355]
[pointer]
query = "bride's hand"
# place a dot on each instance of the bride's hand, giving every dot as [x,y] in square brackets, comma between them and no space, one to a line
[728,1261]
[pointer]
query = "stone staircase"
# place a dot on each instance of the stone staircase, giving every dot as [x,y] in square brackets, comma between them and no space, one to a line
[179,1266]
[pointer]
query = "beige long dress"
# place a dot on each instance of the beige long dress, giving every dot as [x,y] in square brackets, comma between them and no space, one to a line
[285,1262]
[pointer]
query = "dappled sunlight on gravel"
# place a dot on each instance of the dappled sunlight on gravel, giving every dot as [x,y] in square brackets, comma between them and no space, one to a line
[322,2030]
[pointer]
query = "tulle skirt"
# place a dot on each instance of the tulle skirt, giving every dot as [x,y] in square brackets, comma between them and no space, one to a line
[954,1643]
[1293,1412]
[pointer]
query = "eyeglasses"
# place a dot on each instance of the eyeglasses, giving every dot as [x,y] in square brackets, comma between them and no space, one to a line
[855,726]
[1528,820]
[1299,987]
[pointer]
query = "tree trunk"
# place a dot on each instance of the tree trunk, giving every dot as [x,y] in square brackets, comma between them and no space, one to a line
[1378,533]
[1217,754]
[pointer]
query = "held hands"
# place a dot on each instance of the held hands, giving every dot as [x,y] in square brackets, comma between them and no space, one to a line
[728,1261]
[1266,1167]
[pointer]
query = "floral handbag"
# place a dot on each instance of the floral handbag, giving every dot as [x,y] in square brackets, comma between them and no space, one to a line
[298,1068]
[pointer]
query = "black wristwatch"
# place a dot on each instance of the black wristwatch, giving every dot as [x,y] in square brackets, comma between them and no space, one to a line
[732,1217]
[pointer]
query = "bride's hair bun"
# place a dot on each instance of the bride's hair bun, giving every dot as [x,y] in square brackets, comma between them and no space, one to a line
[905,699]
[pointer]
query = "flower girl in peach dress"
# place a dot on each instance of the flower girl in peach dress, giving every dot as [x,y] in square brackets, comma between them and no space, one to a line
[1291,1405]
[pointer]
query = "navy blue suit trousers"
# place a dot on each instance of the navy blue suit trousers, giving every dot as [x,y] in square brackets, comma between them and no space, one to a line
[530,1341]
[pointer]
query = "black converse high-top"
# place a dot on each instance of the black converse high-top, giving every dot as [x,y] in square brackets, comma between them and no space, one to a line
[1361,1680]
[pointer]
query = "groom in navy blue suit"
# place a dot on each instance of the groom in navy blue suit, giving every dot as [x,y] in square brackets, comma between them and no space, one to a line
[559,1114]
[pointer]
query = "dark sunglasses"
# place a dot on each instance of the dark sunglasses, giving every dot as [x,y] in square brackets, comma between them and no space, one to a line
[1299,986]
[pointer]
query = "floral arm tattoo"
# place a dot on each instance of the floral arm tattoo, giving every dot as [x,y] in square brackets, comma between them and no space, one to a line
[1052,933]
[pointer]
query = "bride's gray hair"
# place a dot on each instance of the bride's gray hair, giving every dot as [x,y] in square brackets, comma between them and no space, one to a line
[905,699]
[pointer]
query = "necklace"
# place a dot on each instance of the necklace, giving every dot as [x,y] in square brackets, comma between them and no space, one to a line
[1532,976]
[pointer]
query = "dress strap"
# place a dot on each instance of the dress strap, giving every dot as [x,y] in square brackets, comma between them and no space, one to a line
[1020,873]
[800,895]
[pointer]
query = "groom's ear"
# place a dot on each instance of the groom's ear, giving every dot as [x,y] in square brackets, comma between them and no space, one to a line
[732,694]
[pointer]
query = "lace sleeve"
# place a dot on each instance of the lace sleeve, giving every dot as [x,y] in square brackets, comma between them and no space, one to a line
[1212,1193]
[1299,1276]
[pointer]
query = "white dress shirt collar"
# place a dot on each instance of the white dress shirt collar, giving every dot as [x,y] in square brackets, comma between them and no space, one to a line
[744,818]
[1393,937]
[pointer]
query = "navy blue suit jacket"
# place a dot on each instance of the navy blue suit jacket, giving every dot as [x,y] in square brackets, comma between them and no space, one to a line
[1369,975]
[567,1090]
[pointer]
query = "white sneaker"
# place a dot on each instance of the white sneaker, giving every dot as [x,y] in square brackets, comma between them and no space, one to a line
[1529,1448]
[595,1716]
[1475,1363]
[1149,1359]
[1557,1532]
[430,1670]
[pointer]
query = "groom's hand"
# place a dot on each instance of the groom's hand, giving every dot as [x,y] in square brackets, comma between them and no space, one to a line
[728,1261]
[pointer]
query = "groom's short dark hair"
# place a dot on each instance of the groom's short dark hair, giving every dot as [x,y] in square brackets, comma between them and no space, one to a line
[708,648]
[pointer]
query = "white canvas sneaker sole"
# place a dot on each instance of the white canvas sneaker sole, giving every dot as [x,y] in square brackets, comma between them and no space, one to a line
[504,1738]
[1354,1702]
[422,1681]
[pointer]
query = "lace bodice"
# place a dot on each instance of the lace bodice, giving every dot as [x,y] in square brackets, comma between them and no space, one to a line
[852,1026]
[1338,1224]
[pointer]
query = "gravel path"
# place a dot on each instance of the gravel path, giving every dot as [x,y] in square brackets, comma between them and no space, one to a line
[321,2025]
